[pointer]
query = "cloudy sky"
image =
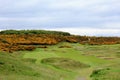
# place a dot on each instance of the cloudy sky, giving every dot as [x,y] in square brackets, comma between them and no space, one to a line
[81,17]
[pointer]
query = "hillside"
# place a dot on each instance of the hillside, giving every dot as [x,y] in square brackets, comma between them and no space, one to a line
[86,62]
[17,40]
[51,55]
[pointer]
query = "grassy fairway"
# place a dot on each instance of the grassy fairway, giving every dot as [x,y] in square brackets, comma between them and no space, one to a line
[76,62]
[71,53]
[95,56]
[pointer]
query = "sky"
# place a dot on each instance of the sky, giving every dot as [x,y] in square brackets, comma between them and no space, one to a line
[80,17]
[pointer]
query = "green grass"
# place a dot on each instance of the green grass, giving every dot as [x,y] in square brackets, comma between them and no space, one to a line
[105,74]
[64,63]
[89,62]
[14,67]
[10,63]
[70,53]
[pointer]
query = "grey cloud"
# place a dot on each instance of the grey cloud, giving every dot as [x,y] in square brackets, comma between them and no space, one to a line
[59,13]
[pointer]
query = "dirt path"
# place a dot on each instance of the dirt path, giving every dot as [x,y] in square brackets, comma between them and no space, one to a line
[80,78]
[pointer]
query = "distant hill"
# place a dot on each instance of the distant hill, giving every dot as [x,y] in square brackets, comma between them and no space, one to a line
[17,40]
[34,32]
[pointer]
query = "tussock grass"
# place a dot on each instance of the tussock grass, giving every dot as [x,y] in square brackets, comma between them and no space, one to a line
[54,63]
[64,63]
[11,64]
[105,74]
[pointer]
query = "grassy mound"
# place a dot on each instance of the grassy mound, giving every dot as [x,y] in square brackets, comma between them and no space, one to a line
[54,63]
[11,64]
[64,63]
[14,67]
[105,74]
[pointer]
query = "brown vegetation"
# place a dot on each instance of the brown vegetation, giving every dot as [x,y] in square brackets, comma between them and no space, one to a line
[17,42]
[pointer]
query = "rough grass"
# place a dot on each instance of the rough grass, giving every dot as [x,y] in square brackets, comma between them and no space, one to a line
[105,74]
[64,63]
[14,67]
[10,63]
[86,54]
[54,63]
